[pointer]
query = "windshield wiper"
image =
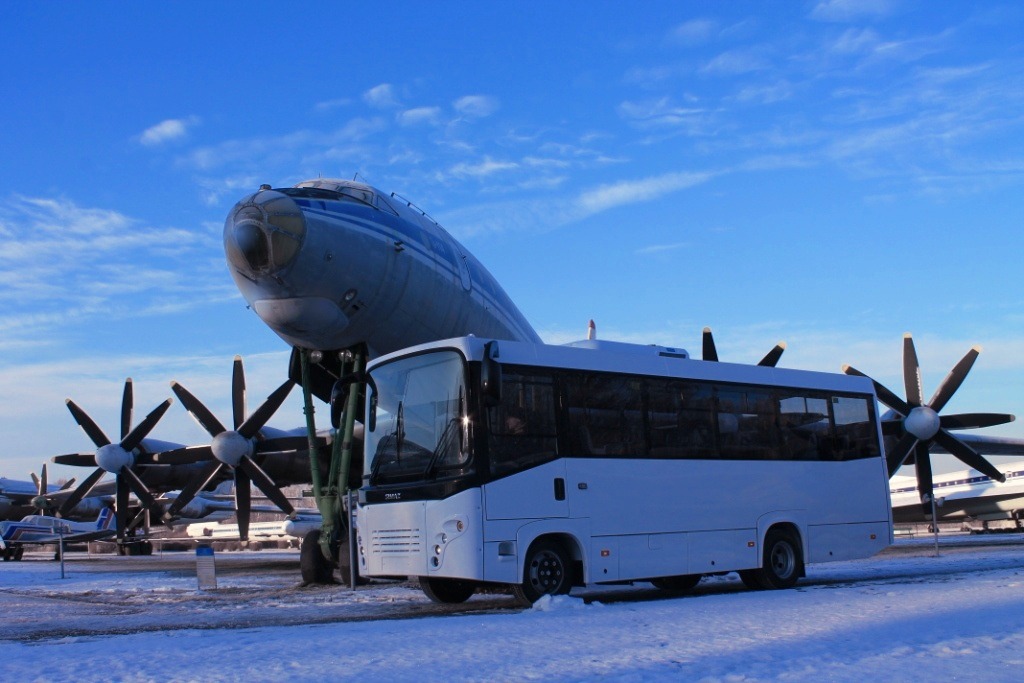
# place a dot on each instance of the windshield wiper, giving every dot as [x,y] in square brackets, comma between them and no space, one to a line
[443,444]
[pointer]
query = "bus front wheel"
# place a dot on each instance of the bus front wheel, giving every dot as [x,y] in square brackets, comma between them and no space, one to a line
[450,591]
[547,571]
[781,565]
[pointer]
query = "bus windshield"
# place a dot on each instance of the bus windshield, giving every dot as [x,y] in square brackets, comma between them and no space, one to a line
[418,428]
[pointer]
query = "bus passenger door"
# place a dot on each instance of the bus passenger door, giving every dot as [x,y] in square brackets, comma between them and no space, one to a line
[535,493]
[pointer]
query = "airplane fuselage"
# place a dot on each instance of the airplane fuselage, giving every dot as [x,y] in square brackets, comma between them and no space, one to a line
[968,494]
[330,264]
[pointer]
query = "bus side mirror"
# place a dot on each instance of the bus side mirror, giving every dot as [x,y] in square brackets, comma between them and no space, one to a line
[490,376]
[339,395]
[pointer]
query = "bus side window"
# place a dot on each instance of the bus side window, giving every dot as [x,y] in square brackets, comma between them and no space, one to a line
[521,431]
[605,416]
[855,435]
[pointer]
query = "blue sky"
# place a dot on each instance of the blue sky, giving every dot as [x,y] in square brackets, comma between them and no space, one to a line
[830,173]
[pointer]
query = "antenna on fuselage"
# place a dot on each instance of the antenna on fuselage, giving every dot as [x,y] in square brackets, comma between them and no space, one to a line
[591,330]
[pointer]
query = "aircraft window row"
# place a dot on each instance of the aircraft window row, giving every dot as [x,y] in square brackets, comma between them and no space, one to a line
[587,414]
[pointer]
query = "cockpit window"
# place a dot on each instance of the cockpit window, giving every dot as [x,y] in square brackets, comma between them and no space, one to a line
[336,190]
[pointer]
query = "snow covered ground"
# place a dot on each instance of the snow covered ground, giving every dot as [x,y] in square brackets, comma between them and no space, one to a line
[902,616]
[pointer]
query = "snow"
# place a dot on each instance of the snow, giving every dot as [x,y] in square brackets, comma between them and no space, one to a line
[902,616]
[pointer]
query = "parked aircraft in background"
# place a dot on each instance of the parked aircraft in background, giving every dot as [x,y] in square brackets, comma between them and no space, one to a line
[20,498]
[279,530]
[44,529]
[964,495]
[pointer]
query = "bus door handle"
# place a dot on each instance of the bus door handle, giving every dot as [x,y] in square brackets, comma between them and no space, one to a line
[559,488]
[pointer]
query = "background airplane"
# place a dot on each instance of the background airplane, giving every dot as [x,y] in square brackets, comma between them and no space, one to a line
[44,529]
[964,495]
[20,498]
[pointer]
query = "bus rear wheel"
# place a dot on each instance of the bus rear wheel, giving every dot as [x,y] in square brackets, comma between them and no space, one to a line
[782,564]
[449,591]
[547,571]
[681,583]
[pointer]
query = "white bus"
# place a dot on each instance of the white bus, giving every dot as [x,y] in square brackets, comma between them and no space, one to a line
[546,467]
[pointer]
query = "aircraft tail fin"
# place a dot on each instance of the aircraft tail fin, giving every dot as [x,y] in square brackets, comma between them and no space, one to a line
[105,518]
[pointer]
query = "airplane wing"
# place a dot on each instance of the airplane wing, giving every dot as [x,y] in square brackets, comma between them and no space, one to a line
[988,445]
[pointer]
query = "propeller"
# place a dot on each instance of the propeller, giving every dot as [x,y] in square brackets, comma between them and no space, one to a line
[710,353]
[233,449]
[116,458]
[42,501]
[920,425]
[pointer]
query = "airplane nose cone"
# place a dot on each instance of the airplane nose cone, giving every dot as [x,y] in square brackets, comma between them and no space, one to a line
[263,233]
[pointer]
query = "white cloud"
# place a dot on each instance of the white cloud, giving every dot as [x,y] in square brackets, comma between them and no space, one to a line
[381,96]
[419,115]
[476,106]
[67,263]
[693,32]
[856,41]
[165,131]
[661,248]
[735,62]
[849,10]
[485,168]
[633,191]
[660,112]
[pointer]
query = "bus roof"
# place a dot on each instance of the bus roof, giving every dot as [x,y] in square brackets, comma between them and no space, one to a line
[637,359]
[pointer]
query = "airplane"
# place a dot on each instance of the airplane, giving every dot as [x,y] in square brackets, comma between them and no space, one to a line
[964,495]
[19,498]
[279,530]
[44,530]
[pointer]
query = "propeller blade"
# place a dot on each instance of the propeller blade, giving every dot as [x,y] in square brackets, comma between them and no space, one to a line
[284,443]
[121,506]
[184,456]
[266,485]
[243,500]
[195,407]
[194,486]
[953,380]
[772,357]
[884,395]
[127,407]
[136,436]
[975,420]
[75,459]
[923,469]
[68,484]
[41,482]
[139,489]
[81,492]
[968,455]
[85,422]
[138,519]
[911,372]
[255,423]
[709,352]
[900,452]
[238,393]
